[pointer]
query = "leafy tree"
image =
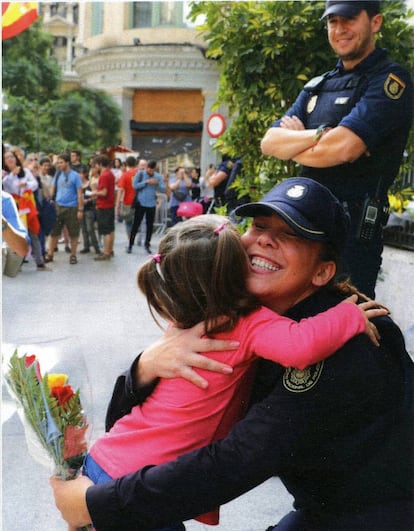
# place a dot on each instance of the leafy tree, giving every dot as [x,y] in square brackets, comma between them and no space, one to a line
[28,69]
[266,52]
[38,114]
[87,118]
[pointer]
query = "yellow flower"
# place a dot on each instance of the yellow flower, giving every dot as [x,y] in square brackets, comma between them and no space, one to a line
[56,380]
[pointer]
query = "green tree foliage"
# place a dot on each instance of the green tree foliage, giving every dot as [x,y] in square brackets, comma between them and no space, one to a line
[28,69]
[38,114]
[87,118]
[266,52]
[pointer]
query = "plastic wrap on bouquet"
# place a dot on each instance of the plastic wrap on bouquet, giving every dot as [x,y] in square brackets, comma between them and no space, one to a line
[52,416]
[34,446]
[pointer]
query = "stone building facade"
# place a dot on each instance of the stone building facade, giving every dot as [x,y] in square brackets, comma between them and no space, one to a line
[152,61]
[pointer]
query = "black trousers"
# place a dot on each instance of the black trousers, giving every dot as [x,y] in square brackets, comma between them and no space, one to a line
[389,516]
[149,213]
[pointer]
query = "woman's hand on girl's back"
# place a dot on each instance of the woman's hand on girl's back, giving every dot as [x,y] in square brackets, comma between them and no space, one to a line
[178,352]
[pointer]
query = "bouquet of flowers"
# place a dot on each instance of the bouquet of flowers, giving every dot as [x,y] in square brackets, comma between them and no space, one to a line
[52,411]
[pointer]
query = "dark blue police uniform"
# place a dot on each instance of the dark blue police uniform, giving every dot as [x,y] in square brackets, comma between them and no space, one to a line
[225,166]
[339,434]
[375,101]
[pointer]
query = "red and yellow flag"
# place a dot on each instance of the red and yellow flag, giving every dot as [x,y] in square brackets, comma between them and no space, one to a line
[16,17]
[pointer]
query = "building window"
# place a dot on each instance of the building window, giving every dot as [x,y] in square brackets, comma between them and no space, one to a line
[58,8]
[60,41]
[154,14]
[97,18]
[76,14]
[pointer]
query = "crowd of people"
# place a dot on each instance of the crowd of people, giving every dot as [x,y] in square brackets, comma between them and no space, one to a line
[63,200]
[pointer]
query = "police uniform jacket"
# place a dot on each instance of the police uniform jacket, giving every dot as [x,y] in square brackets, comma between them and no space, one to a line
[225,166]
[375,101]
[339,435]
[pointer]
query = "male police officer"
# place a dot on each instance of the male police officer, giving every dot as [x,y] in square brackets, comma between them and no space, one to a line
[348,128]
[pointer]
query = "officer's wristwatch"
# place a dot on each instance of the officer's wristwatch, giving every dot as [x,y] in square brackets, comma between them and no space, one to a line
[320,131]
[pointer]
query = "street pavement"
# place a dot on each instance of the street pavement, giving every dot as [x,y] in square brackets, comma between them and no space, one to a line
[89,320]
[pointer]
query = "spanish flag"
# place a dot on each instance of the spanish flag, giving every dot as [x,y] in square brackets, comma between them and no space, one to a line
[16,17]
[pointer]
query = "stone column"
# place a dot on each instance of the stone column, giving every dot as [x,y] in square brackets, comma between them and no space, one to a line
[208,155]
[123,97]
[46,12]
[68,65]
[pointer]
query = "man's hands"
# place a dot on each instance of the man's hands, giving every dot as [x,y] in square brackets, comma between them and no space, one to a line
[177,353]
[292,122]
[369,310]
[70,499]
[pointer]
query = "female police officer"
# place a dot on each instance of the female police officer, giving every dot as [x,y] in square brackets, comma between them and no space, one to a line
[339,434]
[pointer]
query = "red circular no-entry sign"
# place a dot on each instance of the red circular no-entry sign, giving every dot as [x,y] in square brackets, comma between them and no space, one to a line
[216,125]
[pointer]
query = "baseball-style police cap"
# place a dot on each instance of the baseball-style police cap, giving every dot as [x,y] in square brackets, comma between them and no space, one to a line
[350,8]
[307,206]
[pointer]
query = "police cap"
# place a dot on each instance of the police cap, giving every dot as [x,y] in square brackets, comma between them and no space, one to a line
[307,206]
[350,8]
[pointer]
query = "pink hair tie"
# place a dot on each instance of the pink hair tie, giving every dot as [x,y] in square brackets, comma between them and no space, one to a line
[220,228]
[156,258]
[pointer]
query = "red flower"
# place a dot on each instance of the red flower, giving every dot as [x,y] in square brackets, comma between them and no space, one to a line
[62,393]
[29,360]
[74,441]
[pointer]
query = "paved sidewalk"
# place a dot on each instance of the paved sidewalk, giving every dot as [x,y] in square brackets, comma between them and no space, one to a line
[90,321]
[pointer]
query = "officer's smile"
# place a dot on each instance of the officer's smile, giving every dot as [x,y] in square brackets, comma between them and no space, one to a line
[261,265]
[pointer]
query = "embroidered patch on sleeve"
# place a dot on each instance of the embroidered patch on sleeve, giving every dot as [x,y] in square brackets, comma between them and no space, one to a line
[394,87]
[299,381]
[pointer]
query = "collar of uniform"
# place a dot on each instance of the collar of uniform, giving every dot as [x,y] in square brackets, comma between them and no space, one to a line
[318,302]
[367,63]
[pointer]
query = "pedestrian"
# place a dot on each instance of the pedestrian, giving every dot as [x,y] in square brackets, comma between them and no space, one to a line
[23,185]
[67,191]
[17,178]
[116,170]
[126,194]
[47,209]
[146,182]
[105,206]
[206,190]
[89,236]
[348,129]
[180,187]
[339,434]
[195,184]
[76,160]
[220,178]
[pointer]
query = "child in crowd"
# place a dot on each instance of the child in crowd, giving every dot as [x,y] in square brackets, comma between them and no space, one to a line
[199,274]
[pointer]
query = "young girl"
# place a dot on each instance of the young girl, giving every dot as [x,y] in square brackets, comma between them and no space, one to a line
[199,274]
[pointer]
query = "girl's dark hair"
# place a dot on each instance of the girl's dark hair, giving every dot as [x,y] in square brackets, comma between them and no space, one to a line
[199,275]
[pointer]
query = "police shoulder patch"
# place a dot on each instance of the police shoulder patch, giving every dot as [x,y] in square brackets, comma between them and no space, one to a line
[394,87]
[299,381]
